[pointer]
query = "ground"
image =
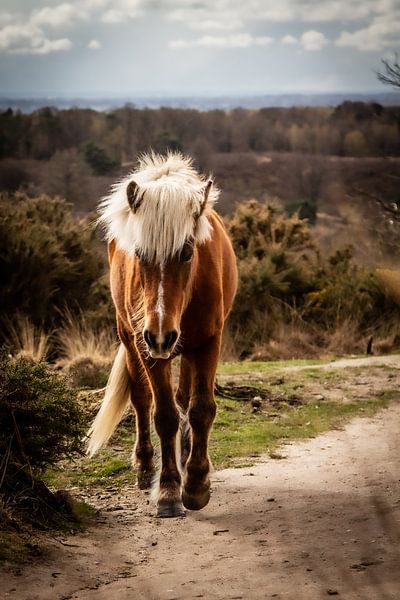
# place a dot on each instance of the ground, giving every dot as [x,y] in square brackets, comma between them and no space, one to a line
[324,521]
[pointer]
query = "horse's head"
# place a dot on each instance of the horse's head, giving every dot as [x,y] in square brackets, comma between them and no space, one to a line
[166,273]
[158,214]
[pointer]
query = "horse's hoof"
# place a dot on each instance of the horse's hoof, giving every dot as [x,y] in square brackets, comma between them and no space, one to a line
[195,502]
[145,479]
[167,509]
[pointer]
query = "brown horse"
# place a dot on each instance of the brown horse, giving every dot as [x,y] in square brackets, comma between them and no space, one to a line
[173,280]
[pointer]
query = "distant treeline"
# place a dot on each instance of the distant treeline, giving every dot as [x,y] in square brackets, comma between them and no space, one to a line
[109,139]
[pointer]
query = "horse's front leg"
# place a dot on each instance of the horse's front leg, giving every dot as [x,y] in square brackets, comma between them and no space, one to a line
[196,488]
[166,419]
[141,398]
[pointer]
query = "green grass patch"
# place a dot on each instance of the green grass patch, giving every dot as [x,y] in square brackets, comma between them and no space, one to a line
[106,468]
[238,433]
[267,367]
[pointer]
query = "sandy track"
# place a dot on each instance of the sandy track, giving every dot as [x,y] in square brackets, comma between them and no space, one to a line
[325,521]
[390,360]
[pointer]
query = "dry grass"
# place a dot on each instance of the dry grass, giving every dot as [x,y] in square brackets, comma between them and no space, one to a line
[293,340]
[78,341]
[390,278]
[26,340]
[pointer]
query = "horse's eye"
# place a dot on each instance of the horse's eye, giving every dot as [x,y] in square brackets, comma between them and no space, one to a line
[186,252]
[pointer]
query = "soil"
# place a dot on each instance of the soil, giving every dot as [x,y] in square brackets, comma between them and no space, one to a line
[323,522]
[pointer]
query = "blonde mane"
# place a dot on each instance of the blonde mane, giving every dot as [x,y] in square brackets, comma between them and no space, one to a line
[172,193]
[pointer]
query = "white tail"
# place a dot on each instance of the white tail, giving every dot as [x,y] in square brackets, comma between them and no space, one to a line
[113,406]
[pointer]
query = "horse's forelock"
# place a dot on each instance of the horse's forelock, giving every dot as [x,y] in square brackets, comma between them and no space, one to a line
[172,208]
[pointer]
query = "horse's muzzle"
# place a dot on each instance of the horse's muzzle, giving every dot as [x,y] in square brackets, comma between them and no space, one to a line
[160,345]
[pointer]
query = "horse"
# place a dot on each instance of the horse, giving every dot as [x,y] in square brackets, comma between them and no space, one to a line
[173,279]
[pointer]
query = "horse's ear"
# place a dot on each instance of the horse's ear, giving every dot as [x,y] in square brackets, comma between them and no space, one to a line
[206,193]
[132,192]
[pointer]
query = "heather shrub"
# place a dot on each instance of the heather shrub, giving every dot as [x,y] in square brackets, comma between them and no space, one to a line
[41,423]
[40,419]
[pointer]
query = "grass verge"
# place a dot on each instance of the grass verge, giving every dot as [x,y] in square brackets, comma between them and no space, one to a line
[239,434]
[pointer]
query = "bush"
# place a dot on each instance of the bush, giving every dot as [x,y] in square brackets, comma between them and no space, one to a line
[49,260]
[276,256]
[289,300]
[40,419]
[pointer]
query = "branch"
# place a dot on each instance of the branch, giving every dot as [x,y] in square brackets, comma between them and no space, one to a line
[391,76]
[391,210]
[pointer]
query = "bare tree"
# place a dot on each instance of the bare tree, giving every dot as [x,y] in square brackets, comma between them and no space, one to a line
[390,74]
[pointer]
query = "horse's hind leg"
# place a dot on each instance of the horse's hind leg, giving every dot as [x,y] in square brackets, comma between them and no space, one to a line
[141,398]
[183,399]
[196,487]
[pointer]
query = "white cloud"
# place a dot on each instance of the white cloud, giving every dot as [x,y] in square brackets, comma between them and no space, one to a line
[94,45]
[313,40]
[375,22]
[30,34]
[381,33]
[30,40]
[48,46]
[239,40]
[289,39]
[55,16]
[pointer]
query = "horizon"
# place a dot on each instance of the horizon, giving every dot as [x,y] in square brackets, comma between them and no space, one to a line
[142,94]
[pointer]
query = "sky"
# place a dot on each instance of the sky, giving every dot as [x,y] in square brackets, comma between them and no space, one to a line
[118,48]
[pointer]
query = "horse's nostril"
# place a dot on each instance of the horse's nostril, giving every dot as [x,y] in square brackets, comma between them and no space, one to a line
[170,339]
[149,338]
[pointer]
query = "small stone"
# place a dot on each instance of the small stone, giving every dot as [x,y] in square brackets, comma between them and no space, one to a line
[256,402]
[331,592]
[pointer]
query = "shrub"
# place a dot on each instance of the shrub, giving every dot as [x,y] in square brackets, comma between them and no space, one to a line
[40,424]
[49,260]
[290,301]
[276,256]
[40,419]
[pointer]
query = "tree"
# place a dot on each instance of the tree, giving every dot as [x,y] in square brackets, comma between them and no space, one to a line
[391,72]
[98,159]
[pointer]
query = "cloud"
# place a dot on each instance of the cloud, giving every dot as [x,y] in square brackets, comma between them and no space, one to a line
[94,45]
[383,32]
[30,33]
[289,39]
[55,16]
[239,40]
[313,41]
[234,14]
[30,40]
[375,23]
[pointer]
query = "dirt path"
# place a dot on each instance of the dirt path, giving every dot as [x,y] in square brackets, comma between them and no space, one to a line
[325,521]
[390,360]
